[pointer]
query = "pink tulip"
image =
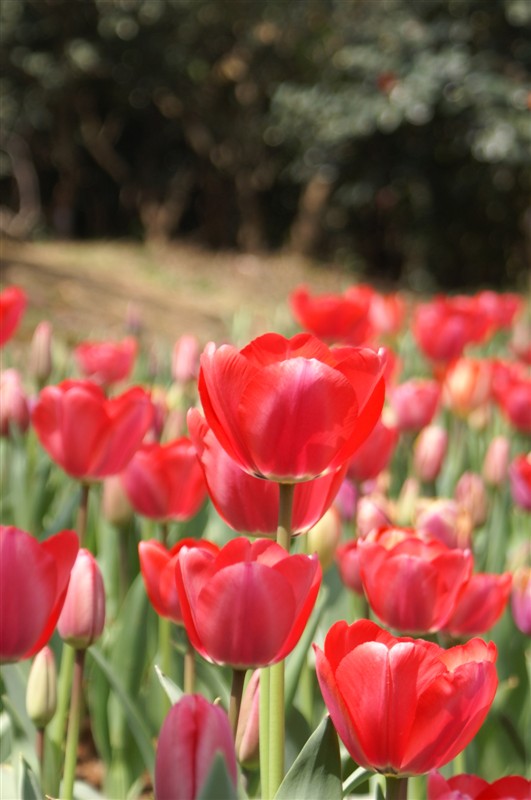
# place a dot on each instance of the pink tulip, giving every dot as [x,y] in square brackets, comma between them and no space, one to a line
[429,452]
[193,732]
[496,461]
[40,357]
[415,402]
[247,733]
[185,359]
[14,408]
[34,578]
[106,362]
[82,618]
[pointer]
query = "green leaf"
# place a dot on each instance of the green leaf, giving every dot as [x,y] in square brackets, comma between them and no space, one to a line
[218,784]
[28,785]
[297,659]
[172,690]
[133,714]
[317,770]
[358,777]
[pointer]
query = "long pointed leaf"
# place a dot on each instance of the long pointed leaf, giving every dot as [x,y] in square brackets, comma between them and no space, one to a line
[317,770]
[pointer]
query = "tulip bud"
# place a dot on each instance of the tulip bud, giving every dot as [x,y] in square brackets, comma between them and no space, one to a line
[471,495]
[429,452]
[41,691]
[407,501]
[83,616]
[444,520]
[115,505]
[496,462]
[324,537]
[373,512]
[348,565]
[346,500]
[520,480]
[14,410]
[521,599]
[247,741]
[185,359]
[40,357]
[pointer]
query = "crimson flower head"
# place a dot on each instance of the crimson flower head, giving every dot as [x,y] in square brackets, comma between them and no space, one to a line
[34,578]
[12,306]
[247,605]
[373,456]
[472,787]
[480,604]
[87,434]
[249,504]
[335,317]
[512,391]
[291,409]
[520,480]
[165,481]
[106,362]
[404,706]
[412,585]
[444,326]
[157,565]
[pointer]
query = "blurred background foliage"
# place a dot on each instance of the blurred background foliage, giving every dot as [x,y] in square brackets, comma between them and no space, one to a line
[390,135]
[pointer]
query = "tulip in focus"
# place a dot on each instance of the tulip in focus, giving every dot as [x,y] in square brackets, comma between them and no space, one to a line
[414,403]
[88,435]
[471,495]
[13,303]
[496,461]
[40,357]
[520,480]
[193,732]
[521,599]
[429,452]
[410,584]
[82,618]
[471,787]
[106,362]
[41,690]
[480,605]
[14,408]
[404,706]
[34,578]
[248,605]
[157,565]
[291,409]
[165,482]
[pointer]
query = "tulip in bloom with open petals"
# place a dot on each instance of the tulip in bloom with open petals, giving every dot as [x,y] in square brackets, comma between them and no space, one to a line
[193,732]
[248,605]
[472,787]
[335,317]
[87,434]
[444,326]
[412,585]
[34,578]
[403,706]
[291,409]
[12,306]
[106,362]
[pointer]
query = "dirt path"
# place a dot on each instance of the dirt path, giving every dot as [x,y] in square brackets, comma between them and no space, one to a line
[91,289]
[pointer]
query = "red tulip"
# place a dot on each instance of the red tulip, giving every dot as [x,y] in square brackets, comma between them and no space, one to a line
[12,306]
[415,402]
[446,325]
[157,565]
[520,480]
[248,605]
[403,706]
[500,309]
[193,732]
[471,787]
[467,384]
[374,455]
[250,504]
[88,435]
[106,362]
[34,578]
[521,600]
[412,585]
[348,565]
[387,313]
[512,392]
[82,617]
[291,409]
[165,481]
[335,317]
[480,605]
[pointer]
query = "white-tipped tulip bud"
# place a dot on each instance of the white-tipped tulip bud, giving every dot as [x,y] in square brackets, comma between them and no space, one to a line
[324,537]
[41,691]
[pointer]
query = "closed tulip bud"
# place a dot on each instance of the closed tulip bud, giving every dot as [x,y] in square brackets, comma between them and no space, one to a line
[348,565]
[185,359]
[41,691]
[83,616]
[496,462]
[430,451]
[444,520]
[471,495]
[520,480]
[247,739]
[324,537]
[115,506]
[373,512]
[14,409]
[40,357]
[521,599]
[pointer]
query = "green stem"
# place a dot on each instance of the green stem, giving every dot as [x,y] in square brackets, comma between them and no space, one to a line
[165,645]
[58,726]
[73,727]
[189,668]
[123,563]
[39,749]
[264,731]
[395,788]
[236,692]
[285,508]
[164,533]
[82,513]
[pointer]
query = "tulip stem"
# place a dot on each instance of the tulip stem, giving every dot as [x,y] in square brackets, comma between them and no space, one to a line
[39,749]
[285,508]
[236,692]
[82,513]
[73,727]
[189,668]
[58,725]
[164,533]
[263,718]
[395,788]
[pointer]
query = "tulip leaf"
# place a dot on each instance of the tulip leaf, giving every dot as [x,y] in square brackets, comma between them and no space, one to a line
[28,785]
[358,777]
[133,714]
[218,783]
[317,770]
[172,690]
[297,659]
